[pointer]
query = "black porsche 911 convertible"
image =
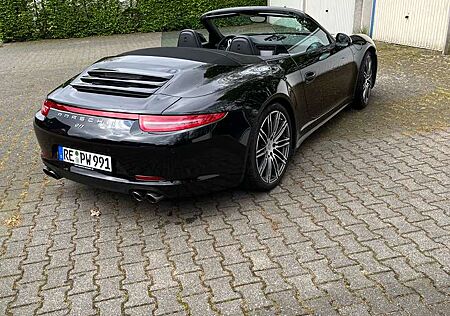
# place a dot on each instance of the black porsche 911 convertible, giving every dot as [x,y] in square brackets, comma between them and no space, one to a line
[229,105]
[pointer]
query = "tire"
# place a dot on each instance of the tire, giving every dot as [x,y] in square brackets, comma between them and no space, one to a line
[267,160]
[365,83]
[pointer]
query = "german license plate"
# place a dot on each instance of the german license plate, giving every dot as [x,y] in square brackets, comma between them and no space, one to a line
[85,159]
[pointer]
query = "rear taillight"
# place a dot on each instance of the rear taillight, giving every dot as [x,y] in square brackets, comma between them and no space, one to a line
[172,123]
[46,106]
[147,123]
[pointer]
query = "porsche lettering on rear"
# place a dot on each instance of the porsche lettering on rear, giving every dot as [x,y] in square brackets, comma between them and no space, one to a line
[80,121]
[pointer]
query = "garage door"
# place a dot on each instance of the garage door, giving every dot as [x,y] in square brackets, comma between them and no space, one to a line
[420,23]
[334,15]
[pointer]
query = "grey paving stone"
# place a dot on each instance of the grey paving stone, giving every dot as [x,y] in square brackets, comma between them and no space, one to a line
[276,247]
[157,259]
[223,237]
[260,260]
[107,250]
[205,249]
[305,286]
[167,302]
[83,263]
[199,305]
[230,308]
[29,309]
[14,249]
[60,258]
[377,300]
[350,245]
[427,291]
[36,254]
[82,282]
[134,272]
[222,290]
[356,309]
[356,277]
[340,294]
[33,272]
[141,310]
[287,303]
[423,241]
[191,283]
[273,281]
[305,252]
[110,307]
[54,300]
[7,286]
[108,268]
[321,306]
[369,263]
[27,293]
[132,254]
[413,304]
[336,257]
[321,271]
[242,274]
[232,254]
[434,271]
[250,242]
[184,263]
[253,296]
[82,303]
[267,229]
[138,294]
[162,278]
[402,269]
[109,288]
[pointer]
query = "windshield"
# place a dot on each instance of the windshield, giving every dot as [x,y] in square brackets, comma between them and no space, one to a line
[296,34]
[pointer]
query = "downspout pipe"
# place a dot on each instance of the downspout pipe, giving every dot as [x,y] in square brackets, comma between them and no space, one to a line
[372,18]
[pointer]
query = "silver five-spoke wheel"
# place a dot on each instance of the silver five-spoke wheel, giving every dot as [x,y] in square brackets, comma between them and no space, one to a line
[273,146]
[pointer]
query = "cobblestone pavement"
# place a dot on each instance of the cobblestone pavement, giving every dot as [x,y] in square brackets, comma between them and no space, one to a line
[359,226]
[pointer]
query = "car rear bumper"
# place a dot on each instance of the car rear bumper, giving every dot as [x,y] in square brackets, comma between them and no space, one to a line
[169,189]
[188,165]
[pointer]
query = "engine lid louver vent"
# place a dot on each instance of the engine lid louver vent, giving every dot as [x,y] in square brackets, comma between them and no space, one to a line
[121,82]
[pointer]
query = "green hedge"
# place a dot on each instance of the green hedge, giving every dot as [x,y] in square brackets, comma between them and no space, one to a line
[35,19]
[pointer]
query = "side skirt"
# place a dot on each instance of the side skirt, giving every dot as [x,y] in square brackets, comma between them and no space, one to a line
[312,130]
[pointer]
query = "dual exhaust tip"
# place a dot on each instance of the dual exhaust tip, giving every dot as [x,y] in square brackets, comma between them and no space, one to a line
[139,196]
[152,197]
[51,173]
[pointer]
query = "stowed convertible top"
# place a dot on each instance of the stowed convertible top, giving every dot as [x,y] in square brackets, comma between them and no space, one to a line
[204,55]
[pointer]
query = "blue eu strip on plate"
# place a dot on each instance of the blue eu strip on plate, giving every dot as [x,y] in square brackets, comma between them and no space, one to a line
[60,153]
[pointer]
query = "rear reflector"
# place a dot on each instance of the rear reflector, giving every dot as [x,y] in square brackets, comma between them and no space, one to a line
[147,123]
[172,123]
[148,178]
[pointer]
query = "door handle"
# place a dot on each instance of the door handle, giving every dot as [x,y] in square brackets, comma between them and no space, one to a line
[309,76]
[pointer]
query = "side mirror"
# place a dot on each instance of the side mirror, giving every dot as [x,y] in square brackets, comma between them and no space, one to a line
[343,40]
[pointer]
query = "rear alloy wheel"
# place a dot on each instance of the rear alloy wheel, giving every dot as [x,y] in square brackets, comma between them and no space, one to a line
[271,150]
[365,83]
